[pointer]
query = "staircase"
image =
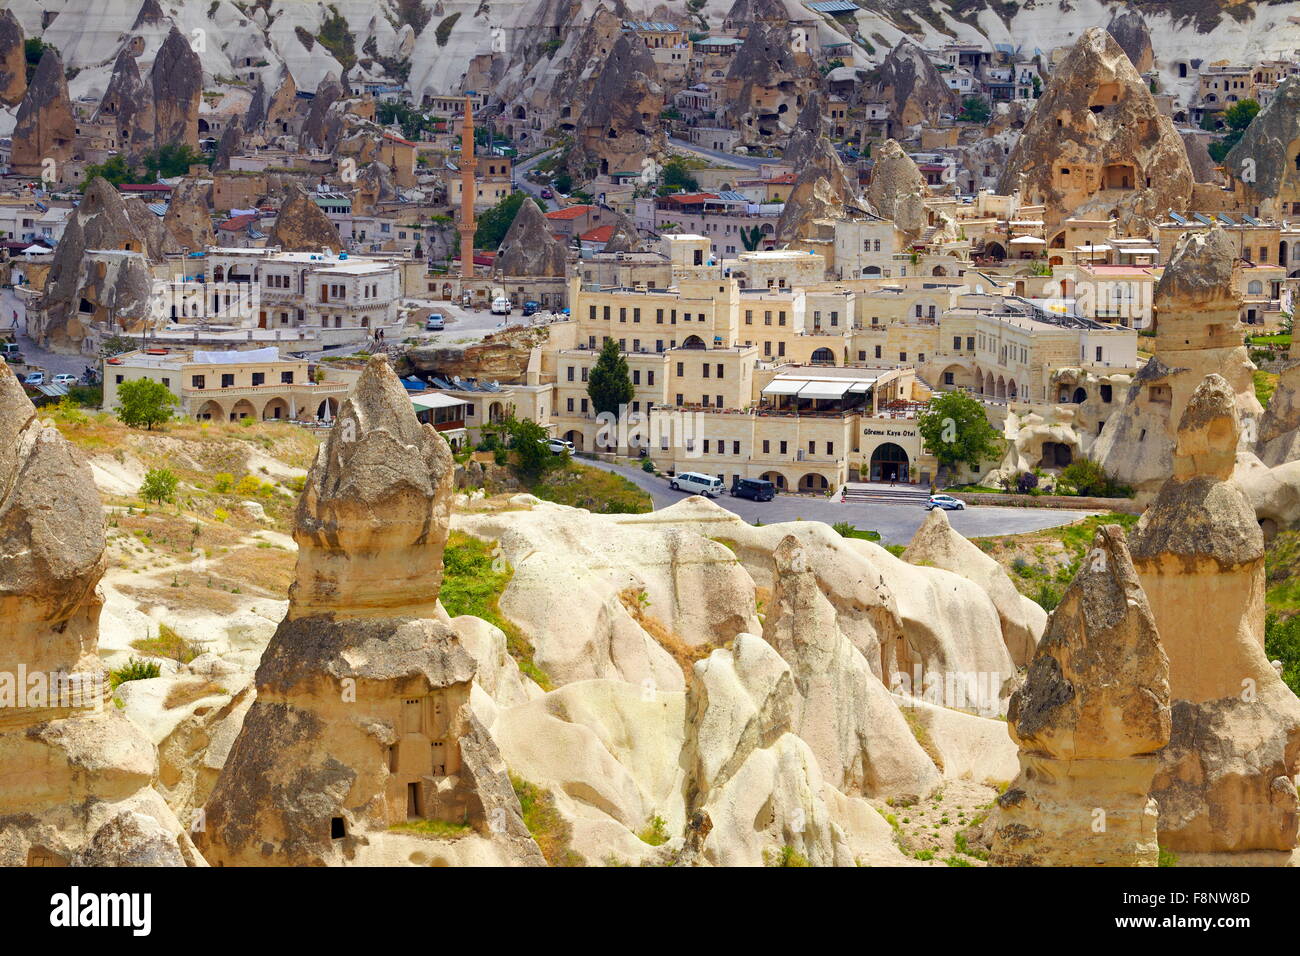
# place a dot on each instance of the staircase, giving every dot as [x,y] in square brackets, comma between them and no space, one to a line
[881,492]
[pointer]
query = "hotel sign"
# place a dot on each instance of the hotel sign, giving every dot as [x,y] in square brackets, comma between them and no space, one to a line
[893,431]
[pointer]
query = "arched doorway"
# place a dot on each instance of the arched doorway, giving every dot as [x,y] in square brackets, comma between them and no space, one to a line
[775,477]
[889,463]
[243,409]
[823,356]
[575,436]
[496,413]
[327,409]
[276,409]
[995,250]
[210,411]
[811,483]
[1080,396]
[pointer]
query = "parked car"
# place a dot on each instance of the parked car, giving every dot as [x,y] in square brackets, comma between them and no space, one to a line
[946,502]
[530,308]
[434,323]
[65,378]
[709,486]
[558,445]
[547,194]
[756,489]
[501,306]
[34,378]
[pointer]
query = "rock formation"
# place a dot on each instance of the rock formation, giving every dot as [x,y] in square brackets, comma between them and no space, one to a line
[1097,146]
[128,104]
[177,80]
[188,219]
[1089,719]
[100,282]
[619,128]
[1129,30]
[907,82]
[936,545]
[318,131]
[1278,440]
[1224,785]
[768,82]
[362,730]
[13,60]
[301,225]
[78,773]
[374,185]
[898,190]
[1262,164]
[823,189]
[45,128]
[529,248]
[625,237]
[1198,332]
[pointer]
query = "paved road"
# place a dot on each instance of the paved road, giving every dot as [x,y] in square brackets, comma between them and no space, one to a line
[530,187]
[728,159]
[896,523]
[52,362]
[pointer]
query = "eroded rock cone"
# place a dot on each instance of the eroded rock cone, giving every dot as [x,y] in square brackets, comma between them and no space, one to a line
[362,737]
[177,79]
[1130,31]
[45,128]
[1225,781]
[1097,145]
[77,774]
[301,225]
[1089,719]
[529,248]
[1263,161]
[13,60]
[912,88]
[898,190]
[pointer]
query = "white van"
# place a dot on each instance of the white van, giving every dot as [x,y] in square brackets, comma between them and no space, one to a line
[697,484]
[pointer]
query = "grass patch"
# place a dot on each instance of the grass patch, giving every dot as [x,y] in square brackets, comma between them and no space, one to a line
[1265,385]
[846,530]
[596,490]
[1282,573]
[655,832]
[433,829]
[786,856]
[167,644]
[1167,858]
[1281,339]
[186,692]
[472,583]
[545,824]
[133,670]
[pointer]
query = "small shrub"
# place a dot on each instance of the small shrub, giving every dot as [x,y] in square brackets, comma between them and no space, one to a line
[159,485]
[648,466]
[133,669]
[786,856]
[223,482]
[167,644]
[655,832]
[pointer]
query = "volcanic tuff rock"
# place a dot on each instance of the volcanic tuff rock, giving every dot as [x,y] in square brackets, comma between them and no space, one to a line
[824,188]
[1096,144]
[188,219]
[1224,784]
[301,225]
[529,248]
[78,773]
[128,101]
[898,190]
[767,84]
[1088,719]
[177,79]
[1279,428]
[1130,31]
[1197,309]
[907,82]
[45,128]
[937,545]
[374,185]
[618,128]
[117,287]
[362,719]
[13,60]
[1263,161]
[321,129]
[625,237]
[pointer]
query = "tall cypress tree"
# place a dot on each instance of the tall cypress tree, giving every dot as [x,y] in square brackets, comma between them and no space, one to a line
[609,385]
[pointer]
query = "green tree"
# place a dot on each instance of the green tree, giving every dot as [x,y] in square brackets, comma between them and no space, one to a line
[144,402]
[974,109]
[1236,118]
[609,385]
[115,345]
[676,177]
[159,485]
[956,431]
[532,457]
[751,238]
[114,169]
[174,159]
[33,49]
[495,223]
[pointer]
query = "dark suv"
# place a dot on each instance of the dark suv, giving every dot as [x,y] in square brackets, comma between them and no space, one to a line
[754,488]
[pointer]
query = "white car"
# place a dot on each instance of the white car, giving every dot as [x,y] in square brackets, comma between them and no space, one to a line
[65,378]
[946,502]
[558,445]
[710,486]
[35,378]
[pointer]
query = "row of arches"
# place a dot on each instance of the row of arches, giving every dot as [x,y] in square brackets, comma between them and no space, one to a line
[999,387]
[274,409]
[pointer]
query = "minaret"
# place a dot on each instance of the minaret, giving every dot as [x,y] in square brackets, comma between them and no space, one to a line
[467,165]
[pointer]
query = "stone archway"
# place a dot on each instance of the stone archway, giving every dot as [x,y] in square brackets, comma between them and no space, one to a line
[211,411]
[575,436]
[822,356]
[327,409]
[242,409]
[277,409]
[775,477]
[813,483]
[889,462]
[496,413]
